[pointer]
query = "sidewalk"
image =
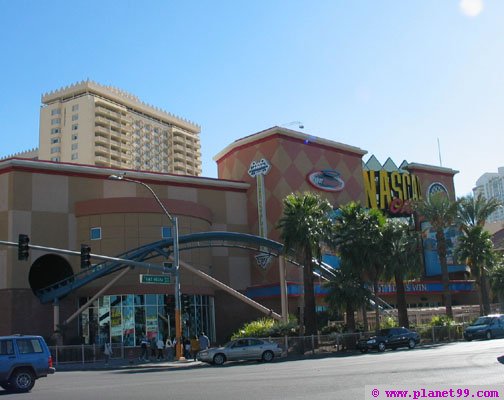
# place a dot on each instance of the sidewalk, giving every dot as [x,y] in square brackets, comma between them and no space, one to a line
[120,363]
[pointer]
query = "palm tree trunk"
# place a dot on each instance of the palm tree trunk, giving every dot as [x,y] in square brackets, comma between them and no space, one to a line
[402,308]
[445,277]
[365,323]
[480,296]
[485,298]
[310,316]
[501,302]
[377,309]
[350,317]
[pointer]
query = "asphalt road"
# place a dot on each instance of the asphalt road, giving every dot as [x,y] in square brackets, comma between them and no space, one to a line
[464,363]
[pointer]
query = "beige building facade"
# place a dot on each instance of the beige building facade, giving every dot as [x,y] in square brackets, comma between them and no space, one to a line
[62,205]
[89,123]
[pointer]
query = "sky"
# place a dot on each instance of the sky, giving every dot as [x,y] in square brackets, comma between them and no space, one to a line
[394,78]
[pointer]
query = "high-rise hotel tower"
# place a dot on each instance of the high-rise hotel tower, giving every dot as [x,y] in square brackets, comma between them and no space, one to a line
[88,123]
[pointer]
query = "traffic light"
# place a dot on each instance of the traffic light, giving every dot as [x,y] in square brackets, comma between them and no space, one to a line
[186,303]
[85,256]
[23,247]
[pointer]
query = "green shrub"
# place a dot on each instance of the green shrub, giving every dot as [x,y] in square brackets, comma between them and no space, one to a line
[334,328]
[441,320]
[388,322]
[266,327]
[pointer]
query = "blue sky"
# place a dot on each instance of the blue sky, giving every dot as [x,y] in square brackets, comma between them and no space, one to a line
[391,77]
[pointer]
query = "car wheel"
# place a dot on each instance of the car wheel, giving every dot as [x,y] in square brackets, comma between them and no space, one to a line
[381,346]
[411,344]
[267,356]
[488,335]
[22,380]
[219,359]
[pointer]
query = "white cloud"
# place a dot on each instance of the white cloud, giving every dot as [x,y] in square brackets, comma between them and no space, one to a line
[471,8]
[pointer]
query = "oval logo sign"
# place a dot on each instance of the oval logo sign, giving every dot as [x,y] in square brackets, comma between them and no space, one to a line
[436,187]
[327,179]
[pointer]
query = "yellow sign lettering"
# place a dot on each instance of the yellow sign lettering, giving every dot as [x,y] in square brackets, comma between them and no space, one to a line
[385,195]
[370,188]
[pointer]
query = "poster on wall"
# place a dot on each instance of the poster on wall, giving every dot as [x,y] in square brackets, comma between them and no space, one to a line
[115,322]
[432,264]
[151,325]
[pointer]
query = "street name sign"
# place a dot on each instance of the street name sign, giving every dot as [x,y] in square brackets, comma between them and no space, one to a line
[155,279]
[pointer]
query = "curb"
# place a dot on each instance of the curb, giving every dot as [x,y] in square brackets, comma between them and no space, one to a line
[126,365]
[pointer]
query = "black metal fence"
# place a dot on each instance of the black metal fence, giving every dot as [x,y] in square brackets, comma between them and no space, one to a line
[291,345]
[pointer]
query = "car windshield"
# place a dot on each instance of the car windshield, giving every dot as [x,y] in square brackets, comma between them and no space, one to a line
[482,321]
[384,332]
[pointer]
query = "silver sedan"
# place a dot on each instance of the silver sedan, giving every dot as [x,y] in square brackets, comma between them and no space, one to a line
[241,349]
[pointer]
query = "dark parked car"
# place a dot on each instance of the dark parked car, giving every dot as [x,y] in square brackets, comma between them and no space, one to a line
[23,359]
[488,327]
[391,338]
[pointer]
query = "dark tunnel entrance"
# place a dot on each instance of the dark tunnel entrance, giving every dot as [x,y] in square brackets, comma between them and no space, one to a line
[47,270]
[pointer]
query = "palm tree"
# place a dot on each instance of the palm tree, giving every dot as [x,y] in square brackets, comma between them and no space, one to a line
[347,292]
[358,239]
[475,244]
[402,261]
[441,213]
[474,211]
[476,248]
[305,224]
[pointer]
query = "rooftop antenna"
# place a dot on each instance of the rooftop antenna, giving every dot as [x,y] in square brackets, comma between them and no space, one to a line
[439,153]
[298,123]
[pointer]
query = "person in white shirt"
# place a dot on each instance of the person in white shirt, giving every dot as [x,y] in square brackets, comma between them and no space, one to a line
[107,351]
[169,348]
[204,342]
[160,347]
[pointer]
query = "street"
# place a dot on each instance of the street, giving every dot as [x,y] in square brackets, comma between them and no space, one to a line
[341,377]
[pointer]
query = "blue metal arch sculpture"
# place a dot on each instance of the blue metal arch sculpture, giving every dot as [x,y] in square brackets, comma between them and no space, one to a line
[163,248]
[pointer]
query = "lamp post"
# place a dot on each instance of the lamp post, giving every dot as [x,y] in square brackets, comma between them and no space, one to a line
[176,264]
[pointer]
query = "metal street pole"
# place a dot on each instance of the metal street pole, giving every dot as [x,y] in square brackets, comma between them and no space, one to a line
[175,234]
[178,306]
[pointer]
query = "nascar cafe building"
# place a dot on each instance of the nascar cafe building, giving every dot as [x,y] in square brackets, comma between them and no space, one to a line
[62,206]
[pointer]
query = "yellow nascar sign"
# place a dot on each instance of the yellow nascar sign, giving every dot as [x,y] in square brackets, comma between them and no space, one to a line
[391,191]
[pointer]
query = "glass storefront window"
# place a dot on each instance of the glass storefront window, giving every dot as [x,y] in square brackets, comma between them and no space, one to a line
[104,301]
[139,325]
[128,300]
[128,333]
[127,318]
[115,324]
[151,321]
[115,301]
[150,299]
[139,299]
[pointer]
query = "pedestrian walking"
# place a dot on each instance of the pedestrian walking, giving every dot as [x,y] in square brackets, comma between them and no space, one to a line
[204,342]
[187,348]
[143,345]
[160,347]
[107,351]
[169,345]
[195,347]
[153,347]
